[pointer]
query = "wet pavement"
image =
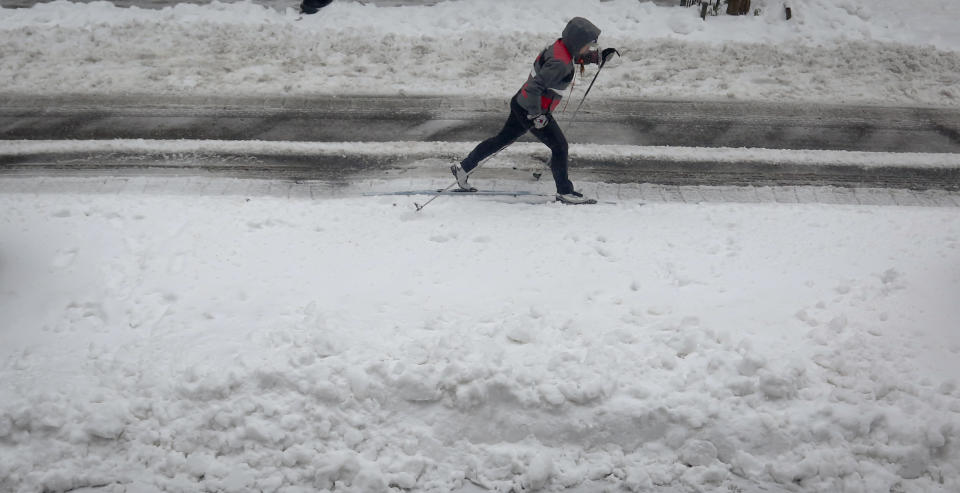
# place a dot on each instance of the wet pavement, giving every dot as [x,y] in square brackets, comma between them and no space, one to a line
[345,168]
[380,119]
[427,119]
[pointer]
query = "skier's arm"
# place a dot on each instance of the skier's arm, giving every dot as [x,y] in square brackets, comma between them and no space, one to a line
[551,74]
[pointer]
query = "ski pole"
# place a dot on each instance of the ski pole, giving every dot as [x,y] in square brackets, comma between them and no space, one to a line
[605,56]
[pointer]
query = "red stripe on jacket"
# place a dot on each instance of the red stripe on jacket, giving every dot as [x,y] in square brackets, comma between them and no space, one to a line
[549,103]
[560,52]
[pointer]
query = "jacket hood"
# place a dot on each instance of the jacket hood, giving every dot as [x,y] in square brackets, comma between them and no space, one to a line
[579,33]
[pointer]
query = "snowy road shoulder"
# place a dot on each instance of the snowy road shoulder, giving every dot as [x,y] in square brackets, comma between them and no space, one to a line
[433,149]
[239,343]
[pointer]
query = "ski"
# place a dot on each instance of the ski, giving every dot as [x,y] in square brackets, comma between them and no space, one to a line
[479,193]
[585,202]
[520,195]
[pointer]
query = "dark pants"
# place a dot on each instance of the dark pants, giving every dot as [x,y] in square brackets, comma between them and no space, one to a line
[312,6]
[517,125]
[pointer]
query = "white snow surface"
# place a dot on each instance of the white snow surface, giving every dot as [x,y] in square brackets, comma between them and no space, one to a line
[153,342]
[846,51]
[158,341]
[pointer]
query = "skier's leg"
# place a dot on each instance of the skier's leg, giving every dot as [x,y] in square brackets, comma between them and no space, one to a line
[312,6]
[512,130]
[553,137]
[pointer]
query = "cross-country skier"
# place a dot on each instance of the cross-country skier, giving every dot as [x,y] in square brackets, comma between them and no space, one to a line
[531,107]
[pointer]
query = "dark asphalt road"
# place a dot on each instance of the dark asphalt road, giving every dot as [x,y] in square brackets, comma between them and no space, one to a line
[358,118]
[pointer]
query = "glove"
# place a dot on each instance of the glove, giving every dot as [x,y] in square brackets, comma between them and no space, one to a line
[539,121]
[597,57]
[590,57]
[608,54]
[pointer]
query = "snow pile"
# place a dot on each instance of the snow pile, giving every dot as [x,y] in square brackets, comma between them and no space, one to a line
[850,51]
[184,343]
[514,154]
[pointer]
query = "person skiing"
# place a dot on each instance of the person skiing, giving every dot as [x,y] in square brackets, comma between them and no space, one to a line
[531,107]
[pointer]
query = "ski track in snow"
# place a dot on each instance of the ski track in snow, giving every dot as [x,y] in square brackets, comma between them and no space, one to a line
[231,344]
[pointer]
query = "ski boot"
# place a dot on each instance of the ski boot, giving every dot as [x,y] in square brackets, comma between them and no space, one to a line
[574,198]
[461,175]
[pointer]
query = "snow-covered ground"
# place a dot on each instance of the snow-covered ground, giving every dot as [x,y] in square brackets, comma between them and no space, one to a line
[160,339]
[883,52]
[229,343]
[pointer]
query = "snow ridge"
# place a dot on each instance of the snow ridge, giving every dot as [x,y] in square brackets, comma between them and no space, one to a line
[451,150]
[830,53]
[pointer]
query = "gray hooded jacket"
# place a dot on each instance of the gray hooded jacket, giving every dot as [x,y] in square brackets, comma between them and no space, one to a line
[553,69]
